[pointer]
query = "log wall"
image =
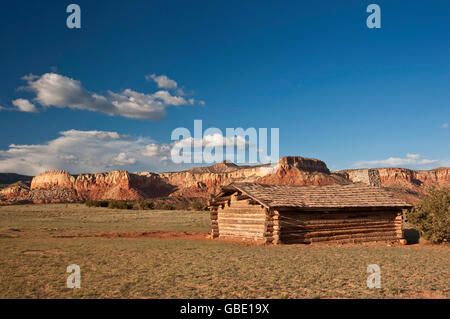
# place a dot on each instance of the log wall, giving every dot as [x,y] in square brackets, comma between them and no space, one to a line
[341,227]
[239,218]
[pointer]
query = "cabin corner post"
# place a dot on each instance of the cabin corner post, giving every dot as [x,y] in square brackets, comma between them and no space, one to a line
[400,224]
[272,229]
[214,223]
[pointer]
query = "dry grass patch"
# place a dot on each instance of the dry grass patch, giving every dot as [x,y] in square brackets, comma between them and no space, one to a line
[139,267]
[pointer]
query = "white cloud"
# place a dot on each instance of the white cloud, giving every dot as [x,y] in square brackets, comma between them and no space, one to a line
[152,150]
[56,90]
[123,159]
[162,81]
[445,125]
[212,140]
[88,151]
[24,105]
[411,161]
[413,156]
[98,151]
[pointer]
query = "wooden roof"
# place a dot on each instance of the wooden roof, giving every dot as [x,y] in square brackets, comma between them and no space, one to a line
[335,196]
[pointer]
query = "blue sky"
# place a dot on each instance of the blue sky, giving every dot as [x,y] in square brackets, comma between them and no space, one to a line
[338,91]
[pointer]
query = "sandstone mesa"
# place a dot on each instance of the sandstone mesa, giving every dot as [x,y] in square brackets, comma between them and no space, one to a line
[59,186]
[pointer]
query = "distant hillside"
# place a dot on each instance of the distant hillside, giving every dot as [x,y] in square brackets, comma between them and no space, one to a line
[60,186]
[11,178]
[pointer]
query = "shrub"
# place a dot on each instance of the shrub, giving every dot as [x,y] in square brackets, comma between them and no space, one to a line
[181,205]
[164,206]
[120,204]
[95,203]
[167,206]
[198,205]
[431,216]
[89,203]
[142,204]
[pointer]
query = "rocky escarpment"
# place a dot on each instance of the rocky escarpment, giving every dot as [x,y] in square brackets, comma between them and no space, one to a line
[299,171]
[61,186]
[410,183]
[415,180]
[101,186]
[203,181]
[14,191]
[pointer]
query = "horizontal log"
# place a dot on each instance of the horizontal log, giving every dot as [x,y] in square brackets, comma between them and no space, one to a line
[241,212]
[241,216]
[233,218]
[342,211]
[247,226]
[255,239]
[336,227]
[338,232]
[242,234]
[243,222]
[335,238]
[316,235]
[341,238]
[243,203]
[242,231]
[243,207]
[316,216]
[336,221]
[321,220]
[342,227]
[229,226]
[370,238]
[234,227]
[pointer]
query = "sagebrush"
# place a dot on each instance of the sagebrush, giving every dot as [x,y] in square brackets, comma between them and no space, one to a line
[431,216]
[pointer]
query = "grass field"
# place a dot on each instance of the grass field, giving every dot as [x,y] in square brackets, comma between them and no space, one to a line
[38,242]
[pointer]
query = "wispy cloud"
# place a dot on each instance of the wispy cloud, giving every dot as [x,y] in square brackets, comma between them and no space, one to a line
[445,125]
[162,81]
[410,161]
[55,90]
[23,105]
[413,156]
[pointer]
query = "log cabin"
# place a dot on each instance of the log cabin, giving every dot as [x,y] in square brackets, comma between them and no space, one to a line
[276,214]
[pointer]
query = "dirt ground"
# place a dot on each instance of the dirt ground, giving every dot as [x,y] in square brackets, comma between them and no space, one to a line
[168,254]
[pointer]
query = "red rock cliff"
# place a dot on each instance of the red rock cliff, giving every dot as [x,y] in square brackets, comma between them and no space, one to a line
[203,181]
[119,185]
[295,170]
[403,179]
[60,186]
